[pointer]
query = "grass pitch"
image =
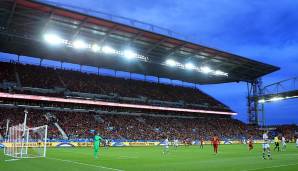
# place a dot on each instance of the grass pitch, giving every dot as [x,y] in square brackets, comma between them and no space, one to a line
[230,157]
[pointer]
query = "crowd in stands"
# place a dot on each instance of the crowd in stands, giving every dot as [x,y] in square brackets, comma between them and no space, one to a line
[7,72]
[118,123]
[80,125]
[16,117]
[75,81]
[287,130]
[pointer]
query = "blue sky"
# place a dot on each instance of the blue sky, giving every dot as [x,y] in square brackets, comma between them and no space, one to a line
[264,30]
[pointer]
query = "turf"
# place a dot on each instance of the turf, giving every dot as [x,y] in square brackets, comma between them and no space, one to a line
[230,157]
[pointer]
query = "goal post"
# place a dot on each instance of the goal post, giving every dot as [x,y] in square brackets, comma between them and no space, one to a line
[24,142]
[6,132]
[35,144]
[13,141]
[24,133]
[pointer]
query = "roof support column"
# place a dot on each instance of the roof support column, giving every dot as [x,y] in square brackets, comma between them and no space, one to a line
[254,89]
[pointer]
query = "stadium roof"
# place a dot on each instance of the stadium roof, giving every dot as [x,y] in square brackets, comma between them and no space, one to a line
[23,24]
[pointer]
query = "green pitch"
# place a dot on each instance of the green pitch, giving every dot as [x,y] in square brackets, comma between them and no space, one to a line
[230,157]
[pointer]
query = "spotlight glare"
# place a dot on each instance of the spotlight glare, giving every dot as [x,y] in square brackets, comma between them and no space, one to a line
[129,54]
[262,101]
[53,39]
[276,99]
[171,62]
[189,66]
[108,49]
[79,44]
[218,72]
[95,48]
[206,69]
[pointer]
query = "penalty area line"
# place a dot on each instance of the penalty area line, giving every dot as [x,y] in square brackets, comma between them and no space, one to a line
[84,164]
[270,167]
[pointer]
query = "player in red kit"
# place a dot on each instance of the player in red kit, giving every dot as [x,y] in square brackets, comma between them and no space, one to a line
[215,142]
[250,144]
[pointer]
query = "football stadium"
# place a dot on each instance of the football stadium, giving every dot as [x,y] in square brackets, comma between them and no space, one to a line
[87,90]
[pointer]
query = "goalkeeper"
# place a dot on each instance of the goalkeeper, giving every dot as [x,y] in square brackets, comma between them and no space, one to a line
[97,140]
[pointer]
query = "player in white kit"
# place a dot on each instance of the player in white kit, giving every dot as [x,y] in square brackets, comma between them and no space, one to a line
[297,142]
[266,146]
[283,143]
[106,143]
[176,143]
[166,146]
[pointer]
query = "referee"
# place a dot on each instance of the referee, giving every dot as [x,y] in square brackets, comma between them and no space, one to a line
[276,142]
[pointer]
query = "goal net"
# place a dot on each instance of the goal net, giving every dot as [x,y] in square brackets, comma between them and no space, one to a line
[25,142]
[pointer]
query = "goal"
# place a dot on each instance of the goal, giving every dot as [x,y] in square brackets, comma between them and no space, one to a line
[24,142]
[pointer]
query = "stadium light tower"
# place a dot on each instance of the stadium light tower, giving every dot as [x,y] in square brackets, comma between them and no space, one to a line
[258,96]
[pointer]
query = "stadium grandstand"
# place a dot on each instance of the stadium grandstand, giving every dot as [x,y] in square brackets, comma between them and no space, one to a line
[79,74]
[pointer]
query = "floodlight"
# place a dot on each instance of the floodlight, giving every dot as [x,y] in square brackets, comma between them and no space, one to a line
[189,66]
[79,44]
[262,101]
[206,69]
[171,62]
[218,72]
[290,97]
[53,39]
[276,98]
[129,54]
[108,49]
[95,48]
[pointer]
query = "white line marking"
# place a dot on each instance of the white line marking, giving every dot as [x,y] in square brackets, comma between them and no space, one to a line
[85,164]
[127,157]
[277,166]
[11,160]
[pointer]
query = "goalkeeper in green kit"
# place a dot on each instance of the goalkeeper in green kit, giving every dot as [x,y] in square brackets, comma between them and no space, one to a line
[97,140]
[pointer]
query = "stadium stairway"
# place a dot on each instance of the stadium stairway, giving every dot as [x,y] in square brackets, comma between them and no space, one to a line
[140,119]
[61,80]
[64,135]
[98,119]
[19,84]
[51,118]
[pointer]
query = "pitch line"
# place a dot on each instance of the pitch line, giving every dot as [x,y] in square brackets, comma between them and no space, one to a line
[270,167]
[11,160]
[84,164]
[126,158]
